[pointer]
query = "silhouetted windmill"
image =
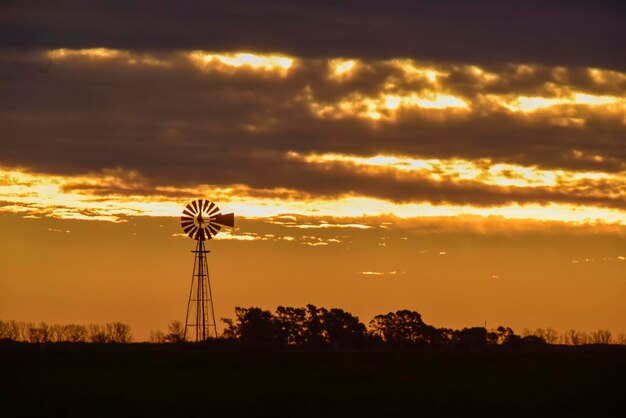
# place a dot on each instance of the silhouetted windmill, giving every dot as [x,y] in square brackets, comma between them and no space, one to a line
[201,220]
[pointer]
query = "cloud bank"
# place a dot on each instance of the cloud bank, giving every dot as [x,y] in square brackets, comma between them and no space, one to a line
[442,104]
[552,32]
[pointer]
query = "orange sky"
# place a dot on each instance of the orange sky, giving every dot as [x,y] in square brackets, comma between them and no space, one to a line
[456,273]
[471,183]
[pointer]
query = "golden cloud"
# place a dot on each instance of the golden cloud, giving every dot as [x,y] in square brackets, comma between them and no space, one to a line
[407,85]
[388,91]
[483,171]
[102,54]
[48,195]
[243,60]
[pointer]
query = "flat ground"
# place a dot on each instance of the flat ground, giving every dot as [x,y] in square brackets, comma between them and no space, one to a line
[143,380]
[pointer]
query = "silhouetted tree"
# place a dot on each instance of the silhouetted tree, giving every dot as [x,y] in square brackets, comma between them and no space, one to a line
[549,335]
[157,337]
[402,328]
[97,334]
[573,337]
[175,332]
[501,336]
[45,333]
[437,337]
[36,334]
[310,327]
[513,342]
[601,336]
[118,332]
[342,329]
[231,331]
[471,338]
[253,326]
[533,342]
[10,330]
[75,333]
[290,325]
[314,329]
[57,333]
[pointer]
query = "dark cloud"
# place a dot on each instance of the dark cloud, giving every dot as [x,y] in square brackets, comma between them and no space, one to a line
[336,180]
[179,122]
[181,125]
[554,32]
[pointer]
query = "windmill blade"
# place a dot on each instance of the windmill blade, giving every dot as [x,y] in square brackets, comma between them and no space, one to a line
[196,206]
[192,232]
[200,203]
[186,224]
[185,220]
[212,208]
[192,209]
[225,219]
[214,229]
[205,204]
[189,210]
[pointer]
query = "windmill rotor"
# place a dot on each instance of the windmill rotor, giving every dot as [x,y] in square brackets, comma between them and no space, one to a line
[202,220]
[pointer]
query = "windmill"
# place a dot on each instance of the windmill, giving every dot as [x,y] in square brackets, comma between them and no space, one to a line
[201,220]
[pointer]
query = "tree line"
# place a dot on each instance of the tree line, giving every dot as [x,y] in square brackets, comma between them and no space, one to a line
[113,332]
[313,327]
[317,328]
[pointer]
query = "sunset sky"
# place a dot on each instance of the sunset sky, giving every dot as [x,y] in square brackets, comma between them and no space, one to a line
[463,159]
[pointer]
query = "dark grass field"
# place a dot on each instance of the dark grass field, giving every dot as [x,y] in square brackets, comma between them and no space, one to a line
[140,380]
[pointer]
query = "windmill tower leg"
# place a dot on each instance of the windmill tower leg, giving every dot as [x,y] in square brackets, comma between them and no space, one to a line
[200,316]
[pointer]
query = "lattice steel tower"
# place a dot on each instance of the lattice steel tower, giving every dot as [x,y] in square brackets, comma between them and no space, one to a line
[201,220]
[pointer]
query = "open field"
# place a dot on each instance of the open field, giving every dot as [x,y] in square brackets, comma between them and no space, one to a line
[145,380]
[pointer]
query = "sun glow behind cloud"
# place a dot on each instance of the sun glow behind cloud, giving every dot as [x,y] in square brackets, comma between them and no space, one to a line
[484,171]
[386,91]
[94,53]
[384,106]
[414,70]
[52,196]
[278,63]
[341,69]
[203,59]
[99,54]
[410,86]
[531,104]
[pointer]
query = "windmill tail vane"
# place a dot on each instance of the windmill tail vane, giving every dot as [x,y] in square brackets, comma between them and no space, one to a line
[201,220]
